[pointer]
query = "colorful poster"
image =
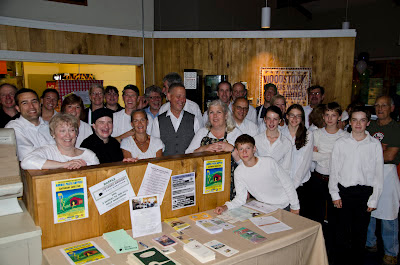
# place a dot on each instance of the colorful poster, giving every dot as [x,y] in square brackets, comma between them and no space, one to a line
[83,253]
[214,176]
[292,83]
[70,200]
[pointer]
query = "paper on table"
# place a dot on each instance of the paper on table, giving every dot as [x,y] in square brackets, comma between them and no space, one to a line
[261,207]
[221,248]
[155,181]
[112,192]
[270,224]
[9,206]
[145,215]
[83,253]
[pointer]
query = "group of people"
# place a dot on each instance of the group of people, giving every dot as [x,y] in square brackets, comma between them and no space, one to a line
[317,161]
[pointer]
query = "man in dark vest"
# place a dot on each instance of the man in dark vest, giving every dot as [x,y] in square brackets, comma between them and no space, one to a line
[175,127]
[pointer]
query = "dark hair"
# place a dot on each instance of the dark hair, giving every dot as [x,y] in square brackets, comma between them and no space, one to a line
[139,111]
[172,78]
[111,88]
[301,133]
[316,116]
[73,99]
[224,82]
[333,106]
[131,87]
[8,84]
[245,139]
[274,109]
[175,85]
[266,86]
[50,90]
[361,109]
[316,87]
[24,90]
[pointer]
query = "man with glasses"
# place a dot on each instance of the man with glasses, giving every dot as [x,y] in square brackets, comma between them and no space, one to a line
[96,95]
[8,111]
[387,131]
[316,95]
[153,95]
[112,96]
[49,102]
[238,91]
[240,109]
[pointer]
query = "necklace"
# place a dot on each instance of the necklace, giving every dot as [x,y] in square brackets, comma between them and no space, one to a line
[141,143]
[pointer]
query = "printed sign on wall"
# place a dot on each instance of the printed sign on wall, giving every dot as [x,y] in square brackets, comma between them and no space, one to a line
[292,83]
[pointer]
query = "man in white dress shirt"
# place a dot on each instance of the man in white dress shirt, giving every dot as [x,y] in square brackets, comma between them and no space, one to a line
[316,95]
[239,109]
[239,91]
[270,90]
[31,131]
[224,93]
[190,106]
[175,127]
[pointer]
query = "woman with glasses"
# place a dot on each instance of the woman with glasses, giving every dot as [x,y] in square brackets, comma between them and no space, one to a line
[112,96]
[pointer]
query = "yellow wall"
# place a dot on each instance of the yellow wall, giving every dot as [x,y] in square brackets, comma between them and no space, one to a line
[112,75]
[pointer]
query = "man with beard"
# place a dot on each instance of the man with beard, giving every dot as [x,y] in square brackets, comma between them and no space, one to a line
[316,95]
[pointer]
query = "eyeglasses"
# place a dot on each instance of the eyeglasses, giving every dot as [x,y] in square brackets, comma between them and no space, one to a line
[315,93]
[383,106]
[292,116]
[97,94]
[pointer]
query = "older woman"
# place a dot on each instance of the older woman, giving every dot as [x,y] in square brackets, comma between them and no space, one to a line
[220,132]
[141,145]
[73,105]
[64,154]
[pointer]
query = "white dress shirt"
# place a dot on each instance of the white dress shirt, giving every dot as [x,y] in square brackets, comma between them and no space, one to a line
[155,145]
[301,159]
[190,106]
[231,138]
[248,127]
[357,163]
[85,130]
[324,141]
[37,158]
[28,136]
[280,150]
[176,122]
[121,123]
[307,111]
[267,182]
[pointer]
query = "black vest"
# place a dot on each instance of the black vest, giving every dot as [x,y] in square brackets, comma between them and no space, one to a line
[176,142]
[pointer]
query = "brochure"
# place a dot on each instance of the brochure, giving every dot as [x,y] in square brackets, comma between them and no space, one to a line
[200,216]
[182,237]
[120,241]
[176,224]
[260,207]
[253,237]
[221,248]
[270,224]
[83,254]
[150,256]
[145,215]
[165,241]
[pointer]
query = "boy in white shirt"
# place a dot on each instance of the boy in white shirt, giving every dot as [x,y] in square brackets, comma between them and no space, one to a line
[263,178]
[355,184]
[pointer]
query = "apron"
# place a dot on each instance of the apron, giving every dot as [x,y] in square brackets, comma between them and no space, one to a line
[388,204]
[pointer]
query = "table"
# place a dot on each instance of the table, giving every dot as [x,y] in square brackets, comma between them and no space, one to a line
[304,244]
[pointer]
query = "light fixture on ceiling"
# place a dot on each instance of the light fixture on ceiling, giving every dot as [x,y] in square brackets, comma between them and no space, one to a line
[346,23]
[266,16]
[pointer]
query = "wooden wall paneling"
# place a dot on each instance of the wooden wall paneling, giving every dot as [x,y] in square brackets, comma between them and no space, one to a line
[139,79]
[37,40]
[50,41]
[124,45]
[11,36]
[3,37]
[23,42]
[148,62]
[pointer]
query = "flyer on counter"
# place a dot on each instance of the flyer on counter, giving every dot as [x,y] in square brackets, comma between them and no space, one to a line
[214,176]
[84,253]
[261,207]
[183,190]
[70,200]
[155,181]
[270,224]
[145,215]
[221,248]
[112,192]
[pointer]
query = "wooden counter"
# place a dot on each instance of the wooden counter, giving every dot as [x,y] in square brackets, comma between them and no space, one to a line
[38,197]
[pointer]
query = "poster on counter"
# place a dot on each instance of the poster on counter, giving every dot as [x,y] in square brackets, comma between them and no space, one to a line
[145,215]
[183,190]
[292,83]
[112,192]
[83,253]
[214,176]
[155,181]
[70,200]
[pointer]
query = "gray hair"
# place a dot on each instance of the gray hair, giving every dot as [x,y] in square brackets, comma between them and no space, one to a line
[230,122]
[150,89]
[387,97]
[96,86]
[61,118]
[172,78]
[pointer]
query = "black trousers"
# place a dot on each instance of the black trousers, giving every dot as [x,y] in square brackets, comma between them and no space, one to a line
[352,224]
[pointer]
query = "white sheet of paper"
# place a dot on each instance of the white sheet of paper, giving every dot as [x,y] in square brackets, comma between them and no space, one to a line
[155,181]
[269,224]
[183,190]
[112,192]
[261,207]
[9,206]
[145,215]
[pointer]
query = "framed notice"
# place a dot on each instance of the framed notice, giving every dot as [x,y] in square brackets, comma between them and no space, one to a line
[292,83]
[214,176]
